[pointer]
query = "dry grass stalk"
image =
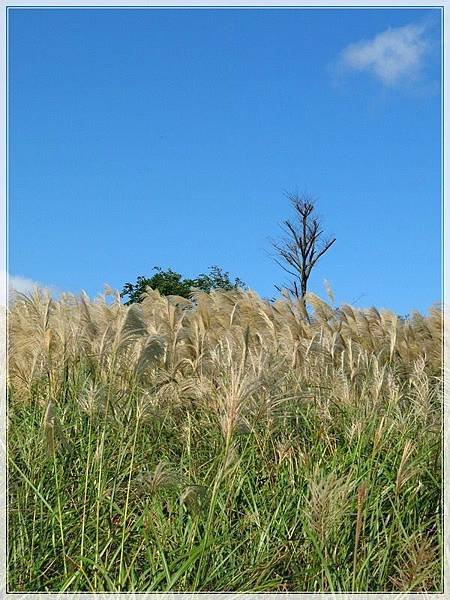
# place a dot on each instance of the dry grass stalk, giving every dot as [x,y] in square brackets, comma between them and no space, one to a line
[362,494]
[415,565]
[327,503]
[403,472]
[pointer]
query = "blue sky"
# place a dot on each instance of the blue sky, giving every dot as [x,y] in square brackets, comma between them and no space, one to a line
[168,137]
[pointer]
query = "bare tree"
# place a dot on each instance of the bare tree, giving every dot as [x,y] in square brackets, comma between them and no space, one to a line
[303,245]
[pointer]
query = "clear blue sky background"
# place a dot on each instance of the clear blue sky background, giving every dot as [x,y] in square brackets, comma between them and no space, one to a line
[167,137]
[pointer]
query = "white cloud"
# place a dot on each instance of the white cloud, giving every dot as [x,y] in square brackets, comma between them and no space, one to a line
[391,56]
[24,285]
[18,283]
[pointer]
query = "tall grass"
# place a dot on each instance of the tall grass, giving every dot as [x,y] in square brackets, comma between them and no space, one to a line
[224,443]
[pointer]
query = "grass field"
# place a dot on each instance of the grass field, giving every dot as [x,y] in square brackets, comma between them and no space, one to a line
[224,444]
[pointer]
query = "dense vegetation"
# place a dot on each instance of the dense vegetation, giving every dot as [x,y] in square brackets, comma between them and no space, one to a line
[171,283]
[226,443]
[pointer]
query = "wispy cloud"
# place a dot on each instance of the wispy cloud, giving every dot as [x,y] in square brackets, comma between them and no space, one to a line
[24,285]
[391,56]
[19,284]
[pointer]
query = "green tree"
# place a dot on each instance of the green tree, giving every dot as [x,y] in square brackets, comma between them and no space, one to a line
[217,279]
[170,283]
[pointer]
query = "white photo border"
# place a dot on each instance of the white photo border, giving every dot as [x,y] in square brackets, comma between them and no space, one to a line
[4,241]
